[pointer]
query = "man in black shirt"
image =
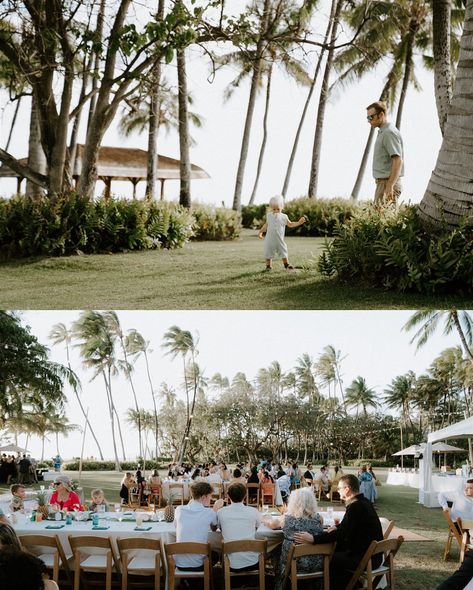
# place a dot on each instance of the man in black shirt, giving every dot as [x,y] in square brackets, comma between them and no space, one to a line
[359,527]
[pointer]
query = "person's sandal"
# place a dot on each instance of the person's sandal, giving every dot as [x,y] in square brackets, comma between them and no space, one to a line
[289,267]
[268,268]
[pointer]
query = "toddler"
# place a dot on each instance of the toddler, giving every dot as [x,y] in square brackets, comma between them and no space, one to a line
[274,227]
[98,499]
[18,493]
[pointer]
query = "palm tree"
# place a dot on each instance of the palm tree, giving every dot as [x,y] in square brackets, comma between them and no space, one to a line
[448,199]
[399,395]
[304,372]
[135,345]
[430,319]
[181,342]
[328,367]
[359,394]
[96,343]
[59,334]
[113,323]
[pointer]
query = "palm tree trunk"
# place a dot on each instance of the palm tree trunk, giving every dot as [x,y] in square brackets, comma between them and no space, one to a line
[265,136]
[314,172]
[306,105]
[156,431]
[456,321]
[449,195]
[185,164]
[112,424]
[441,11]
[97,61]
[12,126]
[251,107]
[408,66]
[153,128]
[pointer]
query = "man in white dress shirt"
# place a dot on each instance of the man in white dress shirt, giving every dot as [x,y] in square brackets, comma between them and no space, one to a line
[193,523]
[239,522]
[462,502]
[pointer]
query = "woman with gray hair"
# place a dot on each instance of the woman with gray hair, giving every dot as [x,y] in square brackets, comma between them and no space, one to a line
[63,497]
[301,515]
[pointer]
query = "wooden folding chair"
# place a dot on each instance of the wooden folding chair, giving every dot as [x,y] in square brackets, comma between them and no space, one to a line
[134,495]
[55,560]
[255,545]
[453,533]
[175,573]
[296,551]
[253,494]
[217,491]
[176,493]
[155,496]
[370,577]
[335,494]
[140,557]
[387,526]
[316,488]
[268,494]
[88,560]
[465,525]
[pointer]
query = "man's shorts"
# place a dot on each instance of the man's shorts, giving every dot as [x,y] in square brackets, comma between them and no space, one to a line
[379,199]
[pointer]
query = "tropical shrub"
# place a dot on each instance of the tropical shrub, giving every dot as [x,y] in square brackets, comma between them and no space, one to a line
[322,215]
[110,465]
[168,225]
[215,223]
[395,251]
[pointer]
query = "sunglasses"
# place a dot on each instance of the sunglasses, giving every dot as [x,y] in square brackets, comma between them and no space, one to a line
[57,483]
[371,117]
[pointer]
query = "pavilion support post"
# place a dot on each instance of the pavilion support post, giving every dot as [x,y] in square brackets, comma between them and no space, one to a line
[108,187]
[161,180]
[134,182]
[18,185]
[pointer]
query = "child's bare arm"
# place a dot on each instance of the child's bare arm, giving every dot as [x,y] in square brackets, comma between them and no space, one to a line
[296,223]
[263,230]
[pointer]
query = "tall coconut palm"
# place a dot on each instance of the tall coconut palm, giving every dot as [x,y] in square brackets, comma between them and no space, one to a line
[96,344]
[448,199]
[329,367]
[137,345]
[429,321]
[304,371]
[59,334]
[255,80]
[180,342]
[314,168]
[185,162]
[359,394]
[399,396]
[113,323]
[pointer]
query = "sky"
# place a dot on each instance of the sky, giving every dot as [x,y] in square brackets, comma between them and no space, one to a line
[218,142]
[373,345]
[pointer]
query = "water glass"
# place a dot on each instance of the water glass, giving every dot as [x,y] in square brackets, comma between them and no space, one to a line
[330,514]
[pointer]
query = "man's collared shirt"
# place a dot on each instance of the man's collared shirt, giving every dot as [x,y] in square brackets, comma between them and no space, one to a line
[388,143]
[192,523]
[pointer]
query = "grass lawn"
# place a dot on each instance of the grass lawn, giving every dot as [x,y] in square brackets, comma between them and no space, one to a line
[202,275]
[419,564]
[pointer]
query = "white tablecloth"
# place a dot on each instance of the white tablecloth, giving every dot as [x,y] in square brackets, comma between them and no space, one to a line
[401,478]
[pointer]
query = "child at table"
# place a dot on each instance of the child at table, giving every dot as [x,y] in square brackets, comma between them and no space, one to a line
[98,501]
[18,493]
[275,227]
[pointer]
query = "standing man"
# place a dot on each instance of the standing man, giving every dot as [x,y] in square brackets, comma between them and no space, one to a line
[388,156]
[359,527]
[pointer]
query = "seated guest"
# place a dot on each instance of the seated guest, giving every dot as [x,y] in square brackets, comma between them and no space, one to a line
[20,569]
[193,522]
[359,527]
[460,579]
[63,498]
[238,521]
[322,478]
[301,515]
[127,482]
[3,518]
[8,537]
[196,476]
[253,477]
[297,475]
[462,502]
[309,473]
[154,481]
[337,474]
[18,492]
[266,490]
[214,476]
[237,477]
[98,501]
[284,485]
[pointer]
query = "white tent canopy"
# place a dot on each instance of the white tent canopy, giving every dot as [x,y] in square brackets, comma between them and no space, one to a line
[412,450]
[463,429]
[13,449]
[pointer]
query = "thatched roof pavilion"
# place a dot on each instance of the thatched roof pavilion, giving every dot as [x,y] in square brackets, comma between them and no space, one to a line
[116,163]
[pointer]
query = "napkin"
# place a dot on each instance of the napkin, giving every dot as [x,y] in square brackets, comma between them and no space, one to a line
[54,526]
[143,528]
[100,528]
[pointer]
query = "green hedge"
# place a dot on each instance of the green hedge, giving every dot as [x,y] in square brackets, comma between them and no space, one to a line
[110,465]
[393,250]
[70,224]
[215,223]
[322,215]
